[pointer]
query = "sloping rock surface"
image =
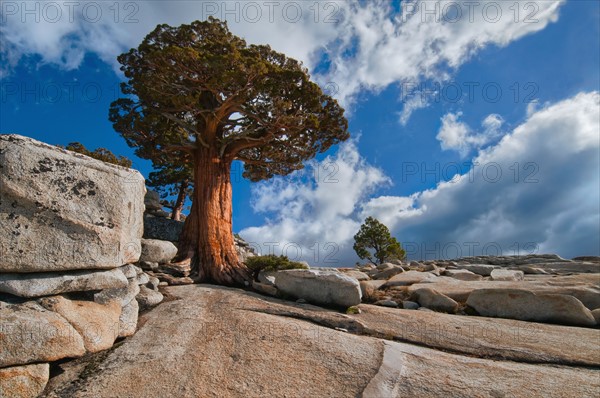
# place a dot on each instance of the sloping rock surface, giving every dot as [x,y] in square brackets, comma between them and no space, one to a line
[217,342]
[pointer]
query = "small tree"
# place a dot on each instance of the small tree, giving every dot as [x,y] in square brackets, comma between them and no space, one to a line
[374,235]
[100,153]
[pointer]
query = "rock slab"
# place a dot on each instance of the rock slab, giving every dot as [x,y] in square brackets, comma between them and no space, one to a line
[327,288]
[24,381]
[52,283]
[65,211]
[528,306]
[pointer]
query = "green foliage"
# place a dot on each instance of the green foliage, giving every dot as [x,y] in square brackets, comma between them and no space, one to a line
[271,262]
[353,310]
[100,153]
[376,236]
[199,87]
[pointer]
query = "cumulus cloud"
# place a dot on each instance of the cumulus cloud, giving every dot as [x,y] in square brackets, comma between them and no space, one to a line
[315,208]
[367,45]
[458,136]
[536,190]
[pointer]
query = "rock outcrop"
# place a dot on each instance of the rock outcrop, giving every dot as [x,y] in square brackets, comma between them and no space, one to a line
[64,211]
[71,226]
[528,306]
[328,288]
[240,344]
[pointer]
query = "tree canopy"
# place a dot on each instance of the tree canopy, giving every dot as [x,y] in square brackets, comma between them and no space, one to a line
[200,85]
[375,236]
[100,153]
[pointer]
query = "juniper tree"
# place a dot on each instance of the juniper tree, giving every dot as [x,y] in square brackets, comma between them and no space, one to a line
[376,236]
[99,153]
[197,90]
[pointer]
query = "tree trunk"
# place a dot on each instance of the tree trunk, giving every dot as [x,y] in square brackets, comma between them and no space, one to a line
[178,206]
[207,236]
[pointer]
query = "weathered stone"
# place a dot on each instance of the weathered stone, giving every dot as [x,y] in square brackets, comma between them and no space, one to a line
[410,305]
[247,337]
[493,338]
[252,354]
[462,275]
[128,319]
[148,266]
[153,282]
[479,269]
[433,300]
[568,267]
[507,275]
[384,266]
[596,315]
[123,295]
[320,287]
[388,273]
[142,279]
[158,251]
[129,271]
[30,333]
[152,200]
[409,278]
[584,287]
[148,298]
[591,259]
[98,324]
[368,288]
[24,381]
[359,276]
[529,270]
[61,210]
[267,277]
[271,290]
[52,283]
[527,306]
[173,280]
[162,228]
[387,303]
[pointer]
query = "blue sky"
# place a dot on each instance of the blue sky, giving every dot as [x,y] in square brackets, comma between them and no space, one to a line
[508,102]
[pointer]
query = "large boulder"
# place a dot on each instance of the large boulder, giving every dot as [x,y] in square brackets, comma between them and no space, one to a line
[584,287]
[152,201]
[528,306]
[328,288]
[507,275]
[429,298]
[409,278]
[479,269]
[158,251]
[24,381]
[128,319]
[30,333]
[98,324]
[162,228]
[65,211]
[462,275]
[51,283]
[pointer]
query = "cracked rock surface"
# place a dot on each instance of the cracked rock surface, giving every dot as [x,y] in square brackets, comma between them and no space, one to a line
[212,341]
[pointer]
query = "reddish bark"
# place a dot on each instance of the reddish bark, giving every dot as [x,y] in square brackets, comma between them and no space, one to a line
[207,237]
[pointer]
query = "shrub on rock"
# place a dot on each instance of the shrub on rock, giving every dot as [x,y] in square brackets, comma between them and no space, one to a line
[271,262]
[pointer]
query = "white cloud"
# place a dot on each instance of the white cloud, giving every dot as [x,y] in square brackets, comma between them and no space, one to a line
[411,105]
[536,189]
[368,44]
[458,136]
[315,208]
